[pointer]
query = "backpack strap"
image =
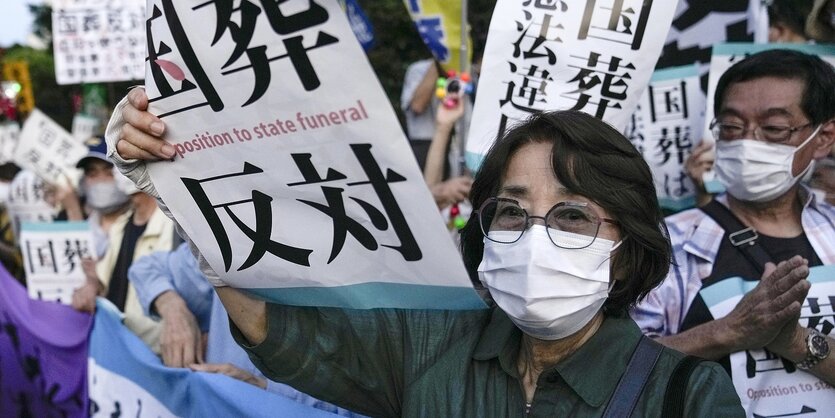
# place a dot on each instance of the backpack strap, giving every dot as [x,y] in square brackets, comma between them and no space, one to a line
[677,388]
[631,384]
[743,238]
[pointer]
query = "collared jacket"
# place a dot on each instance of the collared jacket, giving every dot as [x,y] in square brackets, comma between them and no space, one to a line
[696,238]
[158,236]
[417,363]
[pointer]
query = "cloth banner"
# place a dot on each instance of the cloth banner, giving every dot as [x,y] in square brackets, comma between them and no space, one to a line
[360,24]
[292,174]
[768,385]
[728,54]
[43,352]
[593,56]
[439,25]
[52,254]
[126,379]
[98,40]
[48,149]
[665,127]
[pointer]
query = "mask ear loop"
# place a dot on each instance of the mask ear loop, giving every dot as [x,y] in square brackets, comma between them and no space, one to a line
[811,166]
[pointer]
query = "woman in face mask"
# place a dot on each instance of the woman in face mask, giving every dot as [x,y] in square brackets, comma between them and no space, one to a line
[567,236]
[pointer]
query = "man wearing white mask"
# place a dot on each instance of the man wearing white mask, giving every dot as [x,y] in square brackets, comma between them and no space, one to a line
[774,119]
[104,200]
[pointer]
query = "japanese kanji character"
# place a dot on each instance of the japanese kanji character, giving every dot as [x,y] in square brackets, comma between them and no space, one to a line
[617,21]
[262,242]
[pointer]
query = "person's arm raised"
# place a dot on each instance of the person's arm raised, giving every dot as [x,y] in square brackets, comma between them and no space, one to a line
[134,137]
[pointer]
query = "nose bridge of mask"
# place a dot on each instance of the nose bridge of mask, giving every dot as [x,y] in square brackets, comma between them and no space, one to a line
[590,263]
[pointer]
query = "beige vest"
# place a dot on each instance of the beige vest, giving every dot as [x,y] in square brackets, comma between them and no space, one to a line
[158,236]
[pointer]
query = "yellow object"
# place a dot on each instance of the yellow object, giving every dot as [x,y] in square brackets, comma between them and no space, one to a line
[19,71]
[445,35]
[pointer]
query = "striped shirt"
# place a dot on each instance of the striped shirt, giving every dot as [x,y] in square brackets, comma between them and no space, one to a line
[696,238]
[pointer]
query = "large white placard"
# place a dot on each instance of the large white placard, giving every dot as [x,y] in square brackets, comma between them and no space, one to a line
[52,254]
[665,127]
[98,40]
[48,149]
[292,174]
[595,56]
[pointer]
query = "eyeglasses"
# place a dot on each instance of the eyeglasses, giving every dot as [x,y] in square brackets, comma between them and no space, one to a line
[771,133]
[499,214]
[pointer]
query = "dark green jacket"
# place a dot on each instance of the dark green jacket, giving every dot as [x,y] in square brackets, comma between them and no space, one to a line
[393,363]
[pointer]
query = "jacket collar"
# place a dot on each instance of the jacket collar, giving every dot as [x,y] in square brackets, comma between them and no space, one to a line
[608,350]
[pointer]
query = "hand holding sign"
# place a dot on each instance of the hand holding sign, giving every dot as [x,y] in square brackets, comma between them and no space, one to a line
[141,136]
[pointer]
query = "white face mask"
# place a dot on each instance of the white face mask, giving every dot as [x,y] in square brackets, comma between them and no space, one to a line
[105,196]
[547,291]
[757,171]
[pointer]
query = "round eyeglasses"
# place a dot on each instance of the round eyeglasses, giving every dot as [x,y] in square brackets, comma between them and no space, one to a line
[499,214]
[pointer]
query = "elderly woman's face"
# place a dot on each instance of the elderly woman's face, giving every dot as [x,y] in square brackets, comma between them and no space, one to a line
[529,179]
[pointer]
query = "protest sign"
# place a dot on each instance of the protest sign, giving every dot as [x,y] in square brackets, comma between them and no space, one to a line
[84,127]
[768,385]
[127,379]
[593,56]
[439,25]
[43,348]
[665,127]
[9,135]
[292,175]
[52,254]
[27,200]
[47,149]
[726,55]
[98,40]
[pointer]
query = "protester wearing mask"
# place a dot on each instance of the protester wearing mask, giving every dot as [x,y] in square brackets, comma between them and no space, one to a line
[564,255]
[104,200]
[774,119]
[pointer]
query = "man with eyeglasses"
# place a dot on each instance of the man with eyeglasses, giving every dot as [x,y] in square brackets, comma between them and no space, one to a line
[774,119]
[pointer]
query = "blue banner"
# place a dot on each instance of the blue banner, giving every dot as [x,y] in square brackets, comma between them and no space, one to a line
[127,379]
[359,23]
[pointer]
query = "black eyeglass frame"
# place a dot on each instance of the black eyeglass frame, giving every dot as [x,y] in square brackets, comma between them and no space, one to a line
[529,222]
[791,130]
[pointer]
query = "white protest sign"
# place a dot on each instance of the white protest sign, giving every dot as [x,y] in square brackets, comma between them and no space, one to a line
[9,135]
[595,56]
[768,385]
[98,40]
[665,127]
[47,149]
[292,174]
[52,254]
[27,200]
[84,127]
[727,54]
